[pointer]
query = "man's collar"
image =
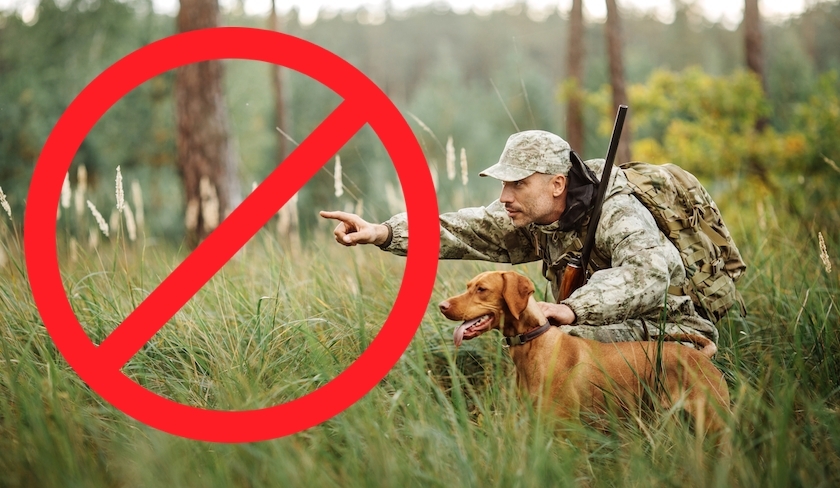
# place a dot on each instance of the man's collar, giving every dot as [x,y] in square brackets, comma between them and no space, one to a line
[546,228]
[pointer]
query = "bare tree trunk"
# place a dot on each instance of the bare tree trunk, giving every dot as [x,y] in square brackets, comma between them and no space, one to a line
[205,157]
[288,231]
[808,32]
[279,103]
[753,44]
[574,70]
[754,47]
[614,41]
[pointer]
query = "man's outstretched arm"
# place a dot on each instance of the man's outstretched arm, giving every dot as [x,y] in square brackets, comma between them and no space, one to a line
[480,233]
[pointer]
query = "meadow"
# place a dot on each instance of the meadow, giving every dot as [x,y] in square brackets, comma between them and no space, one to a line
[280,320]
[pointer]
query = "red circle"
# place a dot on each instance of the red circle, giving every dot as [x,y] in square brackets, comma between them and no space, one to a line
[42,257]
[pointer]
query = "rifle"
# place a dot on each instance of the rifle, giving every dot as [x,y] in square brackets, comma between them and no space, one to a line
[575,274]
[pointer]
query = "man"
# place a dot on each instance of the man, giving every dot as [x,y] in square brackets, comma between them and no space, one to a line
[542,214]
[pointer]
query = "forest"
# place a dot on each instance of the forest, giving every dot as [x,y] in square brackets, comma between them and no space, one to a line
[473,78]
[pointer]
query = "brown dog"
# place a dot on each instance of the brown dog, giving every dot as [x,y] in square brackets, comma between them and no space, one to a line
[575,375]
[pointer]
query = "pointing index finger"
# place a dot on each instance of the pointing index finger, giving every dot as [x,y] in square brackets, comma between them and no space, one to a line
[335,215]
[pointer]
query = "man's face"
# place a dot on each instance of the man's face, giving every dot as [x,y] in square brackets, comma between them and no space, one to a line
[539,198]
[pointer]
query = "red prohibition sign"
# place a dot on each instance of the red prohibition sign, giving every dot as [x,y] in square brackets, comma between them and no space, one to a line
[100,365]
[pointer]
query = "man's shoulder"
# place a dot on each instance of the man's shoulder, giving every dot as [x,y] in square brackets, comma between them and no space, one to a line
[618,181]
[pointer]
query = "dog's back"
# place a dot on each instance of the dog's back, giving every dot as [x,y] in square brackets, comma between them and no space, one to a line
[673,373]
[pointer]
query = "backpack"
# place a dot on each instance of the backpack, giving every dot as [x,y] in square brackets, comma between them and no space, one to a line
[688,216]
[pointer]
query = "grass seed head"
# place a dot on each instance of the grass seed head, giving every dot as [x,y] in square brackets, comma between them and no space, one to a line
[66,194]
[93,238]
[5,203]
[81,188]
[824,254]
[130,224]
[120,194]
[103,226]
[284,221]
[450,159]
[465,177]
[339,186]
[74,250]
[292,204]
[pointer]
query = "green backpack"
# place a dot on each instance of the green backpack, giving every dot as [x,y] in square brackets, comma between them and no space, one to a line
[688,216]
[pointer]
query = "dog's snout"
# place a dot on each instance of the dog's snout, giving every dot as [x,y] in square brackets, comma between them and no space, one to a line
[444,306]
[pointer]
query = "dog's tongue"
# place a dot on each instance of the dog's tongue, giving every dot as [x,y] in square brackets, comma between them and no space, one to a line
[459,332]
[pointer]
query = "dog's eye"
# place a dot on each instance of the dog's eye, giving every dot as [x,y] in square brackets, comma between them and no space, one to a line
[481,289]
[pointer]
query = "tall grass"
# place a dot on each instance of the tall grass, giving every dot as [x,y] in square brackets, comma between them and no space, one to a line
[275,324]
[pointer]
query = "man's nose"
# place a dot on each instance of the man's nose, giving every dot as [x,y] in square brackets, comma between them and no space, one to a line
[506,196]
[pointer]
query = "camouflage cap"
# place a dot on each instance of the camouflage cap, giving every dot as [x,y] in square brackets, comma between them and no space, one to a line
[529,152]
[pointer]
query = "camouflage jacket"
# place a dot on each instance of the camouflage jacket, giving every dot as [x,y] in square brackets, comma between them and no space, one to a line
[633,263]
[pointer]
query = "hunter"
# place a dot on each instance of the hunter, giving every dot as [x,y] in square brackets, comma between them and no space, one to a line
[542,214]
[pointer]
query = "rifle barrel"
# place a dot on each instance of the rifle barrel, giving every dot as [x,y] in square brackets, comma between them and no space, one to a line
[602,188]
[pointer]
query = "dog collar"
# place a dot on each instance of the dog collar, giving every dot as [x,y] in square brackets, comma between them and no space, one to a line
[520,339]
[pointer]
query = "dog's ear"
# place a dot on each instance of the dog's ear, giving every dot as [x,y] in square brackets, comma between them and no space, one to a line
[517,290]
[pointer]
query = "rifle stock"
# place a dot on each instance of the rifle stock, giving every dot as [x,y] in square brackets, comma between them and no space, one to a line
[574,275]
[572,278]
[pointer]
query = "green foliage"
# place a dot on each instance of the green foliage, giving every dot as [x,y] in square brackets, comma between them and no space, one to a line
[705,124]
[819,120]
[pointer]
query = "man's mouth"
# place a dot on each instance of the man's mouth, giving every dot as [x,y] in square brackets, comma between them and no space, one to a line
[472,328]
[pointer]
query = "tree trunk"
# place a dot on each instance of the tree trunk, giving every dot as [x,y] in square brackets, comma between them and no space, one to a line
[614,41]
[287,217]
[279,103]
[574,70]
[753,47]
[205,157]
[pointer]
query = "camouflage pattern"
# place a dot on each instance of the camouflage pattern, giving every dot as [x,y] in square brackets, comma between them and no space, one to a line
[642,329]
[529,152]
[634,263]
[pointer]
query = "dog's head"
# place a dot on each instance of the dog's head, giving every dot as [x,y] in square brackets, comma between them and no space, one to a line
[490,296]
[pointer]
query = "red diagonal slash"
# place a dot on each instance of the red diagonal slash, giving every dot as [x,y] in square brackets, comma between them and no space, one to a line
[101,366]
[230,236]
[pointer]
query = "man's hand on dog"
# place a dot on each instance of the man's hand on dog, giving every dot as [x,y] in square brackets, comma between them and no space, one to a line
[557,313]
[353,230]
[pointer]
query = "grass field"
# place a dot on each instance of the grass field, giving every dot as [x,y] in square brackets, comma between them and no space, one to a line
[275,324]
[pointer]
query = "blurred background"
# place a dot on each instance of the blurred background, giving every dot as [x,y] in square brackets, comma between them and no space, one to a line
[744,94]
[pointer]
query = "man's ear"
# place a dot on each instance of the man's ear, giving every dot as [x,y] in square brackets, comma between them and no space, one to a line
[558,184]
[516,292]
